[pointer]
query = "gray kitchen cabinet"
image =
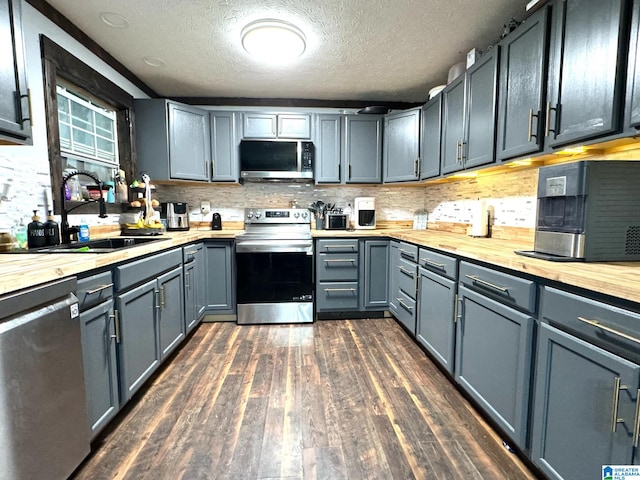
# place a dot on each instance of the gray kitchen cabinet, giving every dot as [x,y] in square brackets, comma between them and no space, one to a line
[404,284]
[171,312]
[469,116]
[523,83]
[632,104]
[572,433]
[15,121]
[100,335]
[586,70]
[172,140]
[401,159]
[194,285]
[362,154]
[327,143]
[220,277]
[224,147]
[494,345]
[337,286]
[374,274]
[430,138]
[437,289]
[276,125]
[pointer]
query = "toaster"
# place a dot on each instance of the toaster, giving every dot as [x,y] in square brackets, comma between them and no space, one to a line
[176,214]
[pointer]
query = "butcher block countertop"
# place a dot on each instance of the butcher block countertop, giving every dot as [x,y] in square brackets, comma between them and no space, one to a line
[621,280]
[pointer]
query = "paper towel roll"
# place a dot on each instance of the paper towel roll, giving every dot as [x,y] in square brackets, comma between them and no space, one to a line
[479,219]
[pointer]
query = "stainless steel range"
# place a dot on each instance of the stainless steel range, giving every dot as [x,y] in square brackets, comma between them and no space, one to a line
[274,259]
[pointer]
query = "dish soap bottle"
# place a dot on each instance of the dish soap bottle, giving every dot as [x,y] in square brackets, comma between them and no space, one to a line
[51,231]
[35,232]
[83,231]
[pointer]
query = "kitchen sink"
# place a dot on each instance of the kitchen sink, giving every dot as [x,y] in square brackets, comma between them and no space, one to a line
[103,245]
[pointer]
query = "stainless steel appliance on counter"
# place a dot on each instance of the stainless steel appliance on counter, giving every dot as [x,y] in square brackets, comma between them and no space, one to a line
[589,211]
[176,215]
[365,213]
[44,430]
[274,261]
[336,221]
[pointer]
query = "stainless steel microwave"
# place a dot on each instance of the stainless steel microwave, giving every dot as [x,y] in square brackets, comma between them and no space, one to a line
[276,160]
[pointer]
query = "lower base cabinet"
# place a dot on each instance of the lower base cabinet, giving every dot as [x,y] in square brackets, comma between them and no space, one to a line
[220,278]
[574,407]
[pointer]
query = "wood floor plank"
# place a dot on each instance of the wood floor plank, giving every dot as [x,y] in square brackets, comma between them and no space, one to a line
[339,399]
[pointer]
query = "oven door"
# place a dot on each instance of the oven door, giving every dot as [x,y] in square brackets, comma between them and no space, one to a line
[274,282]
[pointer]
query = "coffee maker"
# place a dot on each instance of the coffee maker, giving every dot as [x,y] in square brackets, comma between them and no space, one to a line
[365,213]
[176,214]
[588,211]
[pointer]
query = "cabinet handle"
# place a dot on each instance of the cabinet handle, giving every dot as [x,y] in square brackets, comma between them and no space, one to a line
[157,292]
[597,324]
[30,117]
[415,167]
[339,290]
[487,284]
[457,313]
[614,408]
[99,289]
[339,172]
[186,280]
[350,247]
[548,119]
[408,273]
[116,325]
[428,261]
[636,422]
[328,260]
[406,307]
[458,151]
[530,134]
[163,298]
[462,154]
[349,176]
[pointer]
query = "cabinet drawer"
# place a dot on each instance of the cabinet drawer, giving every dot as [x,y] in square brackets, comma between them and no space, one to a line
[336,296]
[408,251]
[406,311]
[502,286]
[608,326]
[342,245]
[136,272]
[407,277]
[337,266]
[94,290]
[439,263]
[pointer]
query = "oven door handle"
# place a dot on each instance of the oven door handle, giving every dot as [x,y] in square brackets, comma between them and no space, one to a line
[284,246]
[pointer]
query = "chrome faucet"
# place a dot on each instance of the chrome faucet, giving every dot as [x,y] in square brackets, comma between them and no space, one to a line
[65,230]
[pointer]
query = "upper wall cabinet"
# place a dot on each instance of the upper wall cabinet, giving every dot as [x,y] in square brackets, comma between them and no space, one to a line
[523,82]
[430,138]
[15,122]
[469,116]
[276,125]
[224,146]
[172,140]
[327,143]
[632,107]
[587,62]
[401,158]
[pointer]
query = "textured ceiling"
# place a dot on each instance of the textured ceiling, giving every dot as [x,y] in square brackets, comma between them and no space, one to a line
[375,50]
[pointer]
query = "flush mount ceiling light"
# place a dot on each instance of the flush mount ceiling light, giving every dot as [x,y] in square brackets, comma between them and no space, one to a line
[273,40]
[114,20]
[154,61]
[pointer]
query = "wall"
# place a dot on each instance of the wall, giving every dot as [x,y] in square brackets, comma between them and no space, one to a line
[26,168]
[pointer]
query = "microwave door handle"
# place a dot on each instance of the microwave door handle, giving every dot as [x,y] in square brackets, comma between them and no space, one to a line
[299,155]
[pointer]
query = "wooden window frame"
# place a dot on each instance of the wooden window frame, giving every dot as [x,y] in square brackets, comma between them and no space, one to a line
[58,63]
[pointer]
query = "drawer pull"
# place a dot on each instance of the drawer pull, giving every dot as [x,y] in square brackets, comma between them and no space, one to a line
[487,284]
[614,408]
[406,307]
[406,252]
[428,261]
[339,290]
[191,252]
[350,260]
[597,324]
[408,273]
[99,289]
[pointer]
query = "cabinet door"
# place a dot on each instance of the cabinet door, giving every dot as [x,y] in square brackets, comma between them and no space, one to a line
[224,147]
[430,138]
[572,435]
[139,351]
[15,124]
[394,271]
[259,125]
[374,274]
[200,281]
[493,360]
[402,146]
[100,366]
[523,81]
[294,126]
[480,110]
[190,297]
[363,148]
[632,105]
[220,277]
[436,323]
[189,143]
[171,312]
[452,126]
[585,72]
[327,149]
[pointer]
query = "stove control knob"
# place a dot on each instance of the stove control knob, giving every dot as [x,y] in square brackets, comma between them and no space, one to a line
[305,215]
[250,215]
[258,214]
[296,215]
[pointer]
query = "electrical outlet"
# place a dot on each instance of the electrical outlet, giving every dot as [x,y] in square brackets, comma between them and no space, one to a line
[205,207]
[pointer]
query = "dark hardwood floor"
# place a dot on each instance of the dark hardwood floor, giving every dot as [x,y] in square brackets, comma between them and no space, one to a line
[335,399]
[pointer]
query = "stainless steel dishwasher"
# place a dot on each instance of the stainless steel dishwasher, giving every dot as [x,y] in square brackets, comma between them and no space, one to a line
[44,431]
